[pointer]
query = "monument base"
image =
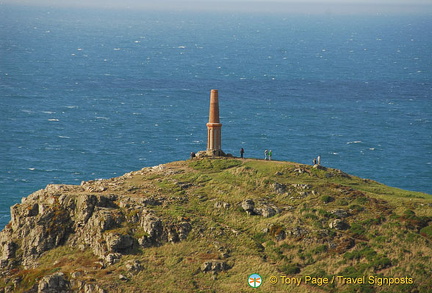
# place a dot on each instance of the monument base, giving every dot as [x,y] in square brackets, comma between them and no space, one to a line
[212,154]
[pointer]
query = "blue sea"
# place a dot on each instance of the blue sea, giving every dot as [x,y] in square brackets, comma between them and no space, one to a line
[87,94]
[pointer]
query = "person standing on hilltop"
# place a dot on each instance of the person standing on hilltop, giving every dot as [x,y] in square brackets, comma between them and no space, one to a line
[270,154]
[241,152]
[265,154]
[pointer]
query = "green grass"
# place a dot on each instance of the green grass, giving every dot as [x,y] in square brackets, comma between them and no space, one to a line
[389,234]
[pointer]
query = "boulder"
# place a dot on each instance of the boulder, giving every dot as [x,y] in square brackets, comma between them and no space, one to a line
[93,288]
[8,249]
[134,266]
[214,266]
[267,211]
[279,188]
[55,283]
[299,232]
[264,209]
[340,213]
[248,206]
[116,242]
[152,225]
[221,205]
[339,224]
[112,258]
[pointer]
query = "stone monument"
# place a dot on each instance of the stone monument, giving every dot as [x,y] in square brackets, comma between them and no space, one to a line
[214,129]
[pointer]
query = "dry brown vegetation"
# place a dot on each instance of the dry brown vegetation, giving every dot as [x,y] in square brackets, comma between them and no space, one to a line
[383,232]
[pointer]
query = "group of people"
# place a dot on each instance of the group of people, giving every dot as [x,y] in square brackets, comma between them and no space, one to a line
[268,155]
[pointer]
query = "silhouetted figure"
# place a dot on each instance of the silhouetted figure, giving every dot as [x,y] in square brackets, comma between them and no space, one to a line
[241,152]
[192,155]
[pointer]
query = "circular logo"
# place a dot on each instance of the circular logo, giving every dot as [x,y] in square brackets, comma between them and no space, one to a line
[254,280]
[273,280]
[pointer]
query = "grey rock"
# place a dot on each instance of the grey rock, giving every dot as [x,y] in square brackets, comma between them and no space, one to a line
[112,258]
[134,266]
[93,288]
[339,224]
[267,211]
[119,242]
[221,205]
[65,215]
[55,283]
[279,188]
[319,167]
[152,225]
[8,249]
[248,206]
[340,213]
[299,232]
[280,236]
[302,186]
[214,266]
[75,275]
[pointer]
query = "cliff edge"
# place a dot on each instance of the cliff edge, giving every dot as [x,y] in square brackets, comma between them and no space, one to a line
[207,224]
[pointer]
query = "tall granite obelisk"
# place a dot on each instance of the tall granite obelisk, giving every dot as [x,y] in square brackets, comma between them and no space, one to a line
[214,127]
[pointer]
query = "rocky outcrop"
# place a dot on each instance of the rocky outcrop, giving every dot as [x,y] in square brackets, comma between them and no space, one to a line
[264,209]
[214,266]
[339,224]
[55,283]
[110,225]
[185,225]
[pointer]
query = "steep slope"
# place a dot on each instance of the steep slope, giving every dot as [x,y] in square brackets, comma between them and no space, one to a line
[205,225]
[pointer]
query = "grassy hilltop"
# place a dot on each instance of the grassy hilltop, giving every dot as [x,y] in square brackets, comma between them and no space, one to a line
[240,217]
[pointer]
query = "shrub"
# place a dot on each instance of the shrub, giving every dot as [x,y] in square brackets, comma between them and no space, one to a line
[342,202]
[276,230]
[362,200]
[380,239]
[351,272]
[412,221]
[381,262]
[409,213]
[290,269]
[357,230]
[375,221]
[324,213]
[426,232]
[259,237]
[311,216]
[320,249]
[365,252]
[287,246]
[356,208]
[326,198]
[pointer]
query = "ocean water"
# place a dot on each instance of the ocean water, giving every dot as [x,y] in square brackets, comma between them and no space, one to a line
[88,94]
